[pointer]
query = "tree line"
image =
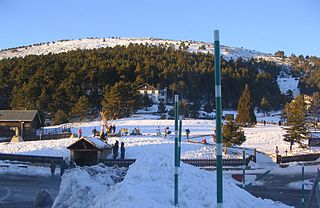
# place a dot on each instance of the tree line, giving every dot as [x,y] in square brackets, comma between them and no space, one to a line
[81,82]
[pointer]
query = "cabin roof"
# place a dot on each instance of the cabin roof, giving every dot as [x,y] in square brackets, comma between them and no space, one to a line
[146,86]
[18,115]
[97,143]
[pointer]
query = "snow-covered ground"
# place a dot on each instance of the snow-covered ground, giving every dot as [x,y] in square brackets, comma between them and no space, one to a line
[289,83]
[149,183]
[91,43]
[150,179]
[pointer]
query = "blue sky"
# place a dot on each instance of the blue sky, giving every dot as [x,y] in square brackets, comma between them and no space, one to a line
[267,26]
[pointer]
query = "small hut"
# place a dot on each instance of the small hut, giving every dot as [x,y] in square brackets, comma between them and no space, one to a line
[89,151]
[19,124]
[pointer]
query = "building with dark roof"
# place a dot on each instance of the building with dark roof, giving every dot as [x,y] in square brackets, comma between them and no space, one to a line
[19,123]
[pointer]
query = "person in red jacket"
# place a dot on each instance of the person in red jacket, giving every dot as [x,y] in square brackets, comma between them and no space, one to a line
[79,133]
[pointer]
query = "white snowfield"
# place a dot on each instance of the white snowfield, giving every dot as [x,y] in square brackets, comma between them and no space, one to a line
[149,182]
[92,43]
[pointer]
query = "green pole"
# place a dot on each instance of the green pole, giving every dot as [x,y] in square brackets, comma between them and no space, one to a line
[218,118]
[243,168]
[179,143]
[176,150]
[302,196]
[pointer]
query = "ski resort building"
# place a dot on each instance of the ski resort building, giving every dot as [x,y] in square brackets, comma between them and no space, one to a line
[153,93]
[20,124]
[89,151]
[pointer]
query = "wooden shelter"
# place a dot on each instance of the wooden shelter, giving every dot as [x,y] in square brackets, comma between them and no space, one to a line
[19,124]
[89,151]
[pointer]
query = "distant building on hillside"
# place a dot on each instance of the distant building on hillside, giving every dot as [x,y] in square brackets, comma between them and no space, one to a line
[153,93]
[21,124]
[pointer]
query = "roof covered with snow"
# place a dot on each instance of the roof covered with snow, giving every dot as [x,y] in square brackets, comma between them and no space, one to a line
[93,141]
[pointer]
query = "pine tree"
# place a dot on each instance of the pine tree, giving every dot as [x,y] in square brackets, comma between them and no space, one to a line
[60,117]
[146,101]
[81,108]
[246,116]
[232,134]
[121,100]
[295,114]
[264,105]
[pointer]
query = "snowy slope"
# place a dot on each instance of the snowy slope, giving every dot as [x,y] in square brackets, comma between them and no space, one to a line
[91,43]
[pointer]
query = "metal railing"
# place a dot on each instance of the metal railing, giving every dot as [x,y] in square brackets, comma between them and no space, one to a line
[213,162]
[119,162]
[297,158]
[31,158]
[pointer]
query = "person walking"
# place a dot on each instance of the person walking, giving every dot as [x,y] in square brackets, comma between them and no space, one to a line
[79,133]
[94,131]
[122,150]
[53,167]
[115,150]
[63,166]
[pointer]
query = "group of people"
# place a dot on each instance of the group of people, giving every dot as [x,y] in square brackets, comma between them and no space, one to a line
[115,150]
[63,166]
[135,131]
[111,129]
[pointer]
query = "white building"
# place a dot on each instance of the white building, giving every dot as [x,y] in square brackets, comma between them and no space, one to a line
[153,93]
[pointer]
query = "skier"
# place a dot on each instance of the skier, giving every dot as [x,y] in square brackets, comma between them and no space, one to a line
[114,128]
[204,141]
[123,150]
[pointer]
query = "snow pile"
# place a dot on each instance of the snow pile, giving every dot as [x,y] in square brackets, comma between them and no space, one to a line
[298,184]
[209,152]
[149,183]
[81,186]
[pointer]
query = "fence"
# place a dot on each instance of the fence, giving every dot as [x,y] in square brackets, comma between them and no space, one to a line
[212,162]
[119,163]
[297,158]
[53,133]
[30,158]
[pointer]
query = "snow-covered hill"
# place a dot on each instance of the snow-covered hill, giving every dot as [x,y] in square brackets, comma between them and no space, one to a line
[91,43]
[192,46]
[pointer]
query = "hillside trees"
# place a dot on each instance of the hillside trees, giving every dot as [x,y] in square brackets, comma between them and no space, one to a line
[57,81]
[121,100]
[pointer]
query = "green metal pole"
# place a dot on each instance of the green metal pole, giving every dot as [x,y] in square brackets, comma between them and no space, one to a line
[179,143]
[243,168]
[176,151]
[218,118]
[302,196]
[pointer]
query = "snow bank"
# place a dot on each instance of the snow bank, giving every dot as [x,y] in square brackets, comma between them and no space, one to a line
[149,183]
[81,186]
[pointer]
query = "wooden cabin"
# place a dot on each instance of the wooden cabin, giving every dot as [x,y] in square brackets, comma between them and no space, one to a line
[89,151]
[21,124]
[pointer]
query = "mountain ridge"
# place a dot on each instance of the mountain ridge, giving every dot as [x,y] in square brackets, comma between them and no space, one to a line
[92,43]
